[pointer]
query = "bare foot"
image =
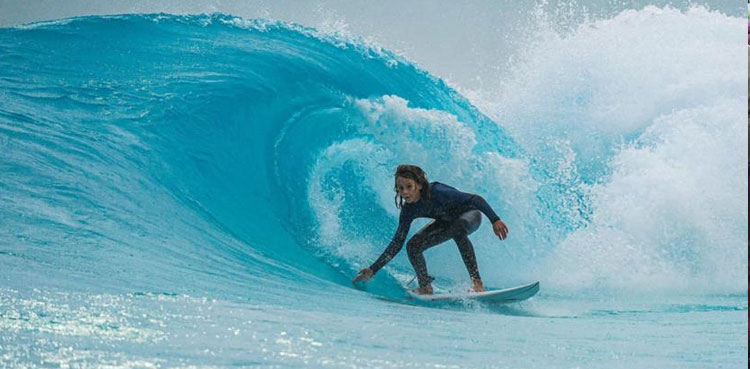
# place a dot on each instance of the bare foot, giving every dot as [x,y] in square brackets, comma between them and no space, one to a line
[478,286]
[426,290]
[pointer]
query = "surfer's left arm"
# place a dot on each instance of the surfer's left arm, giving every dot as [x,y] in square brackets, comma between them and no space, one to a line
[500,229]
[393,248]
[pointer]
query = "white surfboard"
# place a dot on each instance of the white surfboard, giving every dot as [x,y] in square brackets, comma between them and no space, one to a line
[513,294]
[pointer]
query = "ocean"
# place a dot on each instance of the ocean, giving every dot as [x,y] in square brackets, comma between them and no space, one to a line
[198,191]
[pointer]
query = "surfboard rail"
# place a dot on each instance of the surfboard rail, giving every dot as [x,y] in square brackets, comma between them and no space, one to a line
[506,295]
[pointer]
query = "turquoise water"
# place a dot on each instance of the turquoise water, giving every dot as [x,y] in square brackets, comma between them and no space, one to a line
[198,192]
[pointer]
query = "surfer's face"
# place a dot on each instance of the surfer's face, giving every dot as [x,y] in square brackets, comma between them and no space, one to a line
[409,189]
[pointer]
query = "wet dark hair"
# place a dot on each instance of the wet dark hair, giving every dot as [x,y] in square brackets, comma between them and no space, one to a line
[414,173]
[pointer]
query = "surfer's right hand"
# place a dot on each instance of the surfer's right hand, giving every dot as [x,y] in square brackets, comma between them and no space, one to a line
[364,275]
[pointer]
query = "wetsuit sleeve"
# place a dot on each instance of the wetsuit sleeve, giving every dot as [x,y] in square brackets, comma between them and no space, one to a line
[404,222]
[481,204]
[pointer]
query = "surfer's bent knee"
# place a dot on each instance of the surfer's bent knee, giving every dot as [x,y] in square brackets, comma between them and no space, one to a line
[470,221]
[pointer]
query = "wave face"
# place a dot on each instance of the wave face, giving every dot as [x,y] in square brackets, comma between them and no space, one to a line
[140,148]
[209,144]
[198,191]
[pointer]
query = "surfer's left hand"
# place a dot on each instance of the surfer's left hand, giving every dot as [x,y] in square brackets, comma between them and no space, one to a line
[500,229]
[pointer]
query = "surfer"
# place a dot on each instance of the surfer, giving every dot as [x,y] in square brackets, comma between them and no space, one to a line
[456,215]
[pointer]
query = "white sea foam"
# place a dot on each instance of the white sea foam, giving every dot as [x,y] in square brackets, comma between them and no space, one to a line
[650,106]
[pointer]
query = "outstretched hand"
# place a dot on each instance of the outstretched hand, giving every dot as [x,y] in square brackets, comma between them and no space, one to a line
[364,275]
[500,229]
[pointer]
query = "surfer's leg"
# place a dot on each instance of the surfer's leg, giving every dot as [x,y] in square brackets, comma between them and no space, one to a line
[467,254]
[430,235]
[465,225]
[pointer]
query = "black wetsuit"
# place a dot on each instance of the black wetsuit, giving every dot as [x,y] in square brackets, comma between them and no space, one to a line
[457,214]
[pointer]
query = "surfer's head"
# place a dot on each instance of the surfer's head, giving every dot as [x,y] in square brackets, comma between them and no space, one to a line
[411,185]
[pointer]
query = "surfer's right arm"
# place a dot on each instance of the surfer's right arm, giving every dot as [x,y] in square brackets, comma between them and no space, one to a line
[397,242]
